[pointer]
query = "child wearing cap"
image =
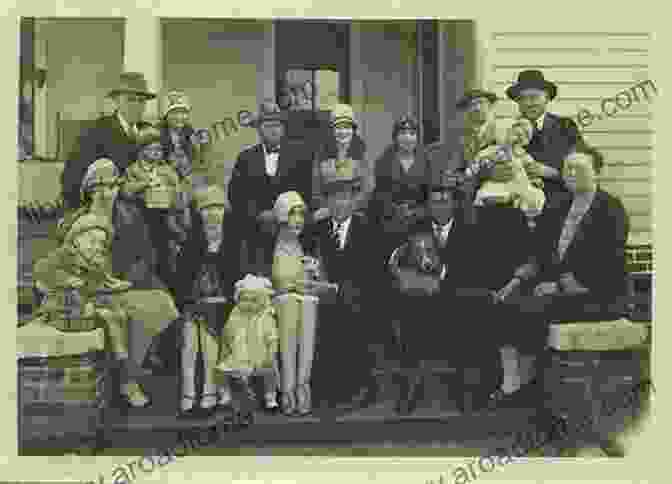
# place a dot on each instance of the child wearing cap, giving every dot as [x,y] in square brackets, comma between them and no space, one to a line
[155,181]
[524,192]
[250,339]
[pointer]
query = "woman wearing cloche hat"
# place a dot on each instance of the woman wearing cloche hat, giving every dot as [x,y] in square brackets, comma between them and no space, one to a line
[345,143]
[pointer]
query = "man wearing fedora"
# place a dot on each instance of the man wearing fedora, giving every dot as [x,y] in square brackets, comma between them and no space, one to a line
[554,135]
[261,173]
[346,244]
[110,137]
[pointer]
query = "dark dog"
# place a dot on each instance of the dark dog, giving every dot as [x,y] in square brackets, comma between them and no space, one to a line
[417,271]
[416,265]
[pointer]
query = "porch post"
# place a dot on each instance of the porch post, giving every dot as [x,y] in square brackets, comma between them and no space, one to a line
[143,53]
[40,118]
[266,65]
[358,89]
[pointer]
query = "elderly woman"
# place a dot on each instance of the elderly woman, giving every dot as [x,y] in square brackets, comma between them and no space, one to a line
[149,304]
[403,179]
[578,269]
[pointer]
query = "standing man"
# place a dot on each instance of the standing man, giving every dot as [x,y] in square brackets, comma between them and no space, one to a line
[478,108]
[110,137]
[554,136]
[261,173]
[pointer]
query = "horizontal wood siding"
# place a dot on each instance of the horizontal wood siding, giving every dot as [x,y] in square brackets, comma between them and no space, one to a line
[589,67]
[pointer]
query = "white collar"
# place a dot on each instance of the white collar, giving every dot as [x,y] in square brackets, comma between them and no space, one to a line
[124,124]
[345,224]
[540,122]
[444,228]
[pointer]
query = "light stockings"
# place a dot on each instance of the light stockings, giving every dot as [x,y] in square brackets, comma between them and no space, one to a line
[117,327]
[518,369]
[511,380]
[297,317]
[195,337]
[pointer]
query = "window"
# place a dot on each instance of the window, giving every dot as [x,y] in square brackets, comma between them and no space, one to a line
[308,90]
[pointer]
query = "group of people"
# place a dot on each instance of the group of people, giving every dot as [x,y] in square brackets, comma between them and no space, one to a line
[289,276]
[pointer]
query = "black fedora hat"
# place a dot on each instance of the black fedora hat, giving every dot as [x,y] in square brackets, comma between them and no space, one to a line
[532,79]
[472,94]
[269,111]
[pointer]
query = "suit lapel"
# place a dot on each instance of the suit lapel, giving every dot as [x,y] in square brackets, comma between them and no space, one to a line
[283,160]
[585,222]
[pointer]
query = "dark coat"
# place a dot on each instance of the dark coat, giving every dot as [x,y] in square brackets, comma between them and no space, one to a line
[394,185]
[105,139]
[194,257]
[252,191]
[552,144]
[596,256]
[352,266]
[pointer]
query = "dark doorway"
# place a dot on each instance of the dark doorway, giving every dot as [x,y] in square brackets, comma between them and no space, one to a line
[312,72]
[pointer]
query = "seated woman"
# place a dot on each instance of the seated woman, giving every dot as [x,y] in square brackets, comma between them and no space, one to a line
[148,303]
[80,288]
[578,269]
[295,276]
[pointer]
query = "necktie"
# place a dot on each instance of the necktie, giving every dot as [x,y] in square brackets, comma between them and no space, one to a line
[336,234]
[272,149]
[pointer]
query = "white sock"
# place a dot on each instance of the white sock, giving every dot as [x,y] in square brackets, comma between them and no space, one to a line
[224,394]
[511,380]
[271,401]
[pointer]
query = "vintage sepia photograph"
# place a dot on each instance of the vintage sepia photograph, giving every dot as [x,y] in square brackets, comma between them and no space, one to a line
[332,237]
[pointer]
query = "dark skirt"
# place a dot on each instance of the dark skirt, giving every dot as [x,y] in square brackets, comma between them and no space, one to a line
[502,242]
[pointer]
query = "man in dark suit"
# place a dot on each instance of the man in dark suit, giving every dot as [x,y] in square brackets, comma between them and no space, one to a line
[110,137]
[345,243]
[554,136]
[261,173]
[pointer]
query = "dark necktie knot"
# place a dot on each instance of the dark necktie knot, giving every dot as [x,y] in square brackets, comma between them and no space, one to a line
[272,149]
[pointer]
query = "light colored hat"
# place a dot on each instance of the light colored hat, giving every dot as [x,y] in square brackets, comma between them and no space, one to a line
[210,196]
[148,134]
[285,203]
[132,83]
[253,283]
[88,222]
[175,99]
[101,172]
[342,114]
[338,174]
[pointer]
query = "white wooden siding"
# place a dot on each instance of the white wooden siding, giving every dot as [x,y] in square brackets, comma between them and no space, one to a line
[589,67]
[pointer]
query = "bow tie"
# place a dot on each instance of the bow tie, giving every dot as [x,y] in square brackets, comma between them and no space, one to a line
[272,149]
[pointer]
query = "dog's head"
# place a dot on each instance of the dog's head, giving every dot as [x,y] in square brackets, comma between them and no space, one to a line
[423,253]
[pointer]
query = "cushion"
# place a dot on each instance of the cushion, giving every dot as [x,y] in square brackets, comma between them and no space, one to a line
[596,336]
[37,339]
